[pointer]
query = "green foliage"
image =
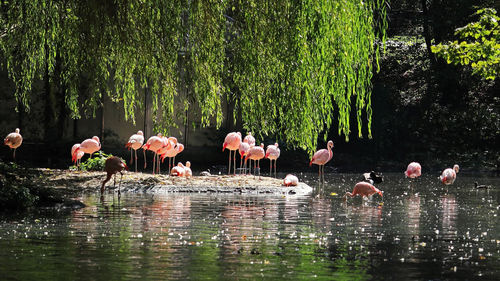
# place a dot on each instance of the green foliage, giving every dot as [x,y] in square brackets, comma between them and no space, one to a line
[479,45]
[292,66]
[96,163]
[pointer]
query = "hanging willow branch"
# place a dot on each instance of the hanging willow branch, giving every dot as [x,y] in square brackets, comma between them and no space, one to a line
[295,67]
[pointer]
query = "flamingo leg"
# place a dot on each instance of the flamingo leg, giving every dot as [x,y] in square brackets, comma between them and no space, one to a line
[229,170]
[234,163]
[258,167]
[275,174]
[154,162]
[241,164]
[270,167]
[119,185]
[14,155]
[135,160]
[131,158]
[144,151]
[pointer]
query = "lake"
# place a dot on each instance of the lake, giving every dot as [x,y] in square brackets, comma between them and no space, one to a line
[419,230]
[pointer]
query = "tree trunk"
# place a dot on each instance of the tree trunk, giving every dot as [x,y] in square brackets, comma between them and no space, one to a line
[427,34]
[148,104]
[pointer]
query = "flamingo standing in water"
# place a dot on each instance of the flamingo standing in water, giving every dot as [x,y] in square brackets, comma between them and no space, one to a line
[272,153]
[112,166]
[14,140]
[256,153]
[290,180]
[413,170]
[449,175]
[244,147]
[363,189]
[135,142]
[154,144]
[88,146]
[79,154]
[232,142]
[321,157]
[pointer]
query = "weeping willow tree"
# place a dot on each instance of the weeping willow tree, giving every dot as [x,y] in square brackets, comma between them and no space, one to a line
[293,66]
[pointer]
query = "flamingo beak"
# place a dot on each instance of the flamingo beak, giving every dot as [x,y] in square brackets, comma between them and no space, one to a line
[224,146]
[380,194]
[267,155]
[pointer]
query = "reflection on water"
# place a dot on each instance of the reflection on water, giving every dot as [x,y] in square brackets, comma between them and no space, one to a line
[419,230]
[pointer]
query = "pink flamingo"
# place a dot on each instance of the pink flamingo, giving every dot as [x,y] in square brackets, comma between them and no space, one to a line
[256,153]
[154,144]
[244,147]
[364,189]
[112,166]
[187,170]
[449,175]
[272,153]
[414,170]
[178,170]
[167,150]
[251,141]
[14,140]
[232,142]
[171,153]
[79,154]
[290,180]
[135,142]
[321,157]
[88,146]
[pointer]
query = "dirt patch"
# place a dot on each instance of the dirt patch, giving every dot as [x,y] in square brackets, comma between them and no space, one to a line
[141,182]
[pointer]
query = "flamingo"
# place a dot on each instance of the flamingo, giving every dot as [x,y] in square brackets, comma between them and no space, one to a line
[112,166]
[364,189]
[290,180]
[135,142]
[14,140]
[79,154]
[256,153]
[251,141]
[88,146]
[168,145]
[178,170]
[321,157]
[171,153]
[413,170]
[154,143]
[232,142]
[449,175]
[244,147]
[272,153]
[187,170]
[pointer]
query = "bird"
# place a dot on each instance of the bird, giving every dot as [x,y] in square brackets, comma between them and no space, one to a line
[449,175]
[290,180]
[178,170]
[135,142]
[232,142]
[167,150]
[272,153]
[244,147]
[414,170]
[88,146]
[372,177]
[14,140]
[249,139]
[154,143]
[256,153]
[321,157]
[79,154]
[187,169]
[476,185]
[364,189]
[112,166]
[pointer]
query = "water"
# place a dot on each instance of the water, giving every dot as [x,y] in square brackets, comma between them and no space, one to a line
[420,230]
